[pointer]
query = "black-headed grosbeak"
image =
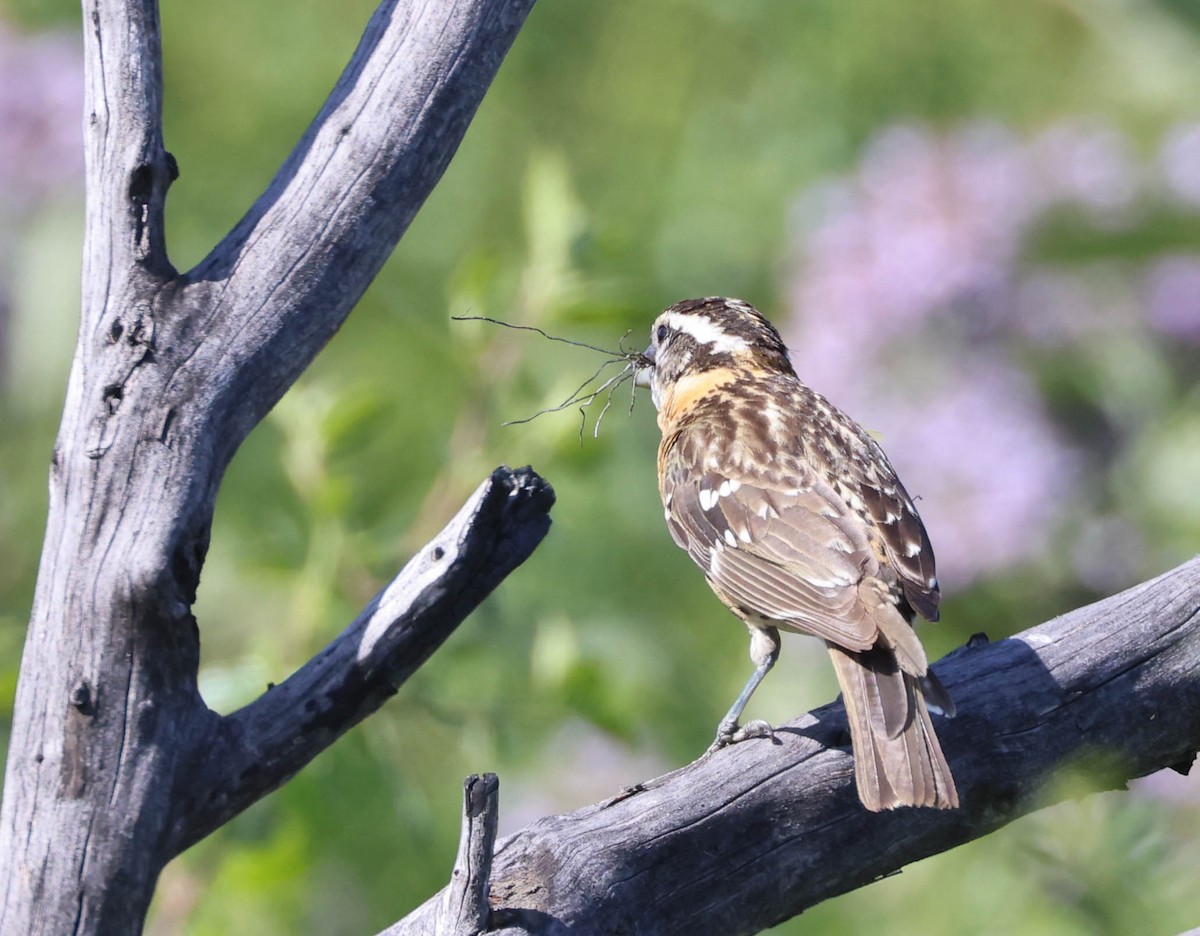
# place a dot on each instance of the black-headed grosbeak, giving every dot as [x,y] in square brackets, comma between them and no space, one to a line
[799,522]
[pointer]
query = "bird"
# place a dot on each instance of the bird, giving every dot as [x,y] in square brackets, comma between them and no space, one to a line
[799,523]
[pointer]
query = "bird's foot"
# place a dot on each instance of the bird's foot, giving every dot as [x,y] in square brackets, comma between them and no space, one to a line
[733,733]
[755,729]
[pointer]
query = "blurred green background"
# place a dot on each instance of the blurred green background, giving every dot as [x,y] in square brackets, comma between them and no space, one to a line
[978,225]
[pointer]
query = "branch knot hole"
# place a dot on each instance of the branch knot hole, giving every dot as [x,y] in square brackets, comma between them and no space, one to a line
[113,395]
[82,699]
[141,183]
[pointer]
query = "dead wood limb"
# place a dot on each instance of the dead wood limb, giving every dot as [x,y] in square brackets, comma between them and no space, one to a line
[258,748]
[741,840]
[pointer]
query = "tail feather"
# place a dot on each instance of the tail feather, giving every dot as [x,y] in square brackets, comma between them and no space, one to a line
[897,758]
[937,699]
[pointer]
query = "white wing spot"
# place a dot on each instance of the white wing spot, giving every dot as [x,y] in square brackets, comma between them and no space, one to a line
[728,486]
[744,535]
[911,549]
[708,498]
[730,538]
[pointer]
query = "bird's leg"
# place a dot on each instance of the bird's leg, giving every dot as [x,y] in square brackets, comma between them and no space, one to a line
[764,651]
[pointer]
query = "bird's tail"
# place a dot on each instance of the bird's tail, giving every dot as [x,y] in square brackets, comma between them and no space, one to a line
[897,758]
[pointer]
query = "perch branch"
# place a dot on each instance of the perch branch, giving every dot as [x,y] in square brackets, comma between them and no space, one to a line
[741,840]
[263,745]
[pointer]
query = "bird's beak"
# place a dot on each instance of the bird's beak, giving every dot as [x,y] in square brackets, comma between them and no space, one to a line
[645,368]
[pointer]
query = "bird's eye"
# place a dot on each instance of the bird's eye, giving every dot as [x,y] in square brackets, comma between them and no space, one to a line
[662,333]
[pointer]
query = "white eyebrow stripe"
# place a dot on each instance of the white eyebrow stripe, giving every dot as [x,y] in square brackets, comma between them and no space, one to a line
[706,332]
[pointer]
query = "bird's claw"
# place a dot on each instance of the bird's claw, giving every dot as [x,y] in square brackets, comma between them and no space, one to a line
[755,729]
[735,734]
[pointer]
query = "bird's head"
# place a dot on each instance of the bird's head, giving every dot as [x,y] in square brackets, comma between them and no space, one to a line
[696,336]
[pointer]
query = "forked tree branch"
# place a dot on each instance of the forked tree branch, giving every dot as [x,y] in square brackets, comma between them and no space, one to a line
[111,742]
[743,839]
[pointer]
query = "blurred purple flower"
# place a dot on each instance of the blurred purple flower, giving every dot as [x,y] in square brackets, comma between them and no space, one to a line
[919,256]
[41,110]
[1088,165]
[1172,287]
[1179,162]
[920,227]
[917,250]
[1053,307]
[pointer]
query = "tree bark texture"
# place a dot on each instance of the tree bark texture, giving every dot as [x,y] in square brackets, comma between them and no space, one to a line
[745,838]
[171,372]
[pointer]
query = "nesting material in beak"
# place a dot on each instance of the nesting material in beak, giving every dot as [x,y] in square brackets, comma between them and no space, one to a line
[644,368]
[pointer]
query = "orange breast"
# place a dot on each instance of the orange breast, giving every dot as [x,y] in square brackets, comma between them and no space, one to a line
[688,390]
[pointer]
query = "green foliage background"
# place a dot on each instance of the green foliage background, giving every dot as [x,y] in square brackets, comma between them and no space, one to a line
[629,154]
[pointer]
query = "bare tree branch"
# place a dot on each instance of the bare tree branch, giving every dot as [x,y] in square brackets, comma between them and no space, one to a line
[743,839]
[260,747]
[289,273]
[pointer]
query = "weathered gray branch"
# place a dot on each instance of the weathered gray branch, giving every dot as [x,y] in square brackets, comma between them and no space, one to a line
[260,747]
[743,839]
[170,373]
